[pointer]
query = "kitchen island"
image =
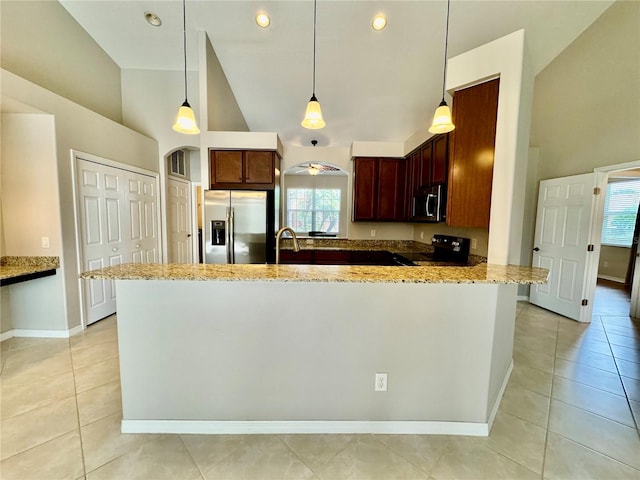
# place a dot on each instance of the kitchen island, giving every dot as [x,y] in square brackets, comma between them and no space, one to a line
[295,348]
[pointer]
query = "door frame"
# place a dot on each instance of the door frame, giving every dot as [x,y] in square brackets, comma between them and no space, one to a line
[596,232]
[195,199]
[78,154]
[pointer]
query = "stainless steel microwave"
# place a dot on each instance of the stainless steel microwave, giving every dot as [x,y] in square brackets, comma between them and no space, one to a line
[430,204]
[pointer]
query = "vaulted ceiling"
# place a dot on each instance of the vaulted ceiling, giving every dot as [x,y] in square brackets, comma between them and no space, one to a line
[373,86]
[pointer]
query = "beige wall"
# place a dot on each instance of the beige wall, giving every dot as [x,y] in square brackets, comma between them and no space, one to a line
[587,101]
[81,129]
[41,42]
[29,185]
[223,112]
[614,263]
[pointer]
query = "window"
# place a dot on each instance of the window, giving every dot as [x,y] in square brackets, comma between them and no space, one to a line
[620,210]
[314,209]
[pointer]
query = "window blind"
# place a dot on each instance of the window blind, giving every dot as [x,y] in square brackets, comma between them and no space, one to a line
[620,210]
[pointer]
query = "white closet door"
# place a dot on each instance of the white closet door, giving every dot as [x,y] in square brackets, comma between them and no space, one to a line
[118,224]
[101,198]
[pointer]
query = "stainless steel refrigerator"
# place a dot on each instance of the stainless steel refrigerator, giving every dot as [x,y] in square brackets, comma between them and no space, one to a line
[239,226]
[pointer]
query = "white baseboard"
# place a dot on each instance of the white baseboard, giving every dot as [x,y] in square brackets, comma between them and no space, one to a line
[612,279]
[503,387]
[20,332]
[306,427]
[522,298]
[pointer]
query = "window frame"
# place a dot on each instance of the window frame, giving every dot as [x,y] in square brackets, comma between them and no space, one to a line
[314,210]
[610,212]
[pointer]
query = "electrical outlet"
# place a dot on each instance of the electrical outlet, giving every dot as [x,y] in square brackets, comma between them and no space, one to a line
[381,382]
[44,241]
[373,232]
[309,241]
[421,235]
[606,264]
[474,243]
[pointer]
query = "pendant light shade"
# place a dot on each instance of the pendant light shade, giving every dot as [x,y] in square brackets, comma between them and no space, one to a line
[313,114]
[186,120]
[442,121]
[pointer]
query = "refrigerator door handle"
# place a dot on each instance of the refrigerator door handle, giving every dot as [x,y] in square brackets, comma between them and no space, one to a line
[227,232]
[231,229]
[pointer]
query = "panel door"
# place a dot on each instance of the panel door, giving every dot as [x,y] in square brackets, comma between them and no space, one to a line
[100,201]
[563,224]
[439,160]
[426,153]
[179,221]
[390,192]
[141,229]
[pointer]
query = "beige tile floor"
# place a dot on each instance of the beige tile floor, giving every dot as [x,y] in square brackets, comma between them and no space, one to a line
[567,413]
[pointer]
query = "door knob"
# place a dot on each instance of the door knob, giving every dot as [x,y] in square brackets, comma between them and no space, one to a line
[137,246]
[536,249]
[114,249]
[188,235]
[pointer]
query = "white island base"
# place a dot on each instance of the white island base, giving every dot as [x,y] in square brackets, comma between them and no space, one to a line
[301,357]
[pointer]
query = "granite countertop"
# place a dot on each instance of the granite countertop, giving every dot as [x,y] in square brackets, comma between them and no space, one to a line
[401,247]
[483,273]
[17,269]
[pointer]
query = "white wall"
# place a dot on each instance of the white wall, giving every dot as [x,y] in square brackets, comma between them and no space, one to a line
[81,129]
[43,43]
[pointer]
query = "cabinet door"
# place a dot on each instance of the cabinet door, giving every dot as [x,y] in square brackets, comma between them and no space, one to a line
[226,166]
[472,144]
[364,188]
[390,189]
[439,160]
[412,183]
[258,167]
[425,169]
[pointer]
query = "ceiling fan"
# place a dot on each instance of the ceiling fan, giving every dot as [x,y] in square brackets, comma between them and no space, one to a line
[315,168]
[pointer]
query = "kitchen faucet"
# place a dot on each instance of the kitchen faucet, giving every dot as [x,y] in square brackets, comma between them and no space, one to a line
[296,245]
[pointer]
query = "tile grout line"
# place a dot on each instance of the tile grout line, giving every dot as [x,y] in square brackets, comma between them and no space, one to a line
[315,474]
[546,430]
[75,389]
[186,447]
[624,388]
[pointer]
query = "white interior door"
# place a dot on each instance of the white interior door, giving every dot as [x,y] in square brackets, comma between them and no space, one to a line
[179,221]
[117,212]
[563,226]
[101,200]
[142,230]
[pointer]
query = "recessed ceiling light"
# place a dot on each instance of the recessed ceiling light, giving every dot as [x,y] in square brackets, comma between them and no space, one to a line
[379,22]
[263,20]
[152,19]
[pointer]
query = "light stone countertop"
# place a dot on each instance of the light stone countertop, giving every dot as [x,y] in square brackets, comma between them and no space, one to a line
[483,273]
[11,267]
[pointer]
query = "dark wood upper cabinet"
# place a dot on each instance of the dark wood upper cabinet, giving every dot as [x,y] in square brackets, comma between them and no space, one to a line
[249,169]
[378,189]
[472,146]
[426,154]
[439,159]
[365,188]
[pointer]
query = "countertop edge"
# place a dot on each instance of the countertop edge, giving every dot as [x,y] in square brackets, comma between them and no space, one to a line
[480,274]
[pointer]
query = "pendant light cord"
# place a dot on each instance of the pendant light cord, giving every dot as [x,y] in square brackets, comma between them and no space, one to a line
[184,44]
[314,48]
[446,46]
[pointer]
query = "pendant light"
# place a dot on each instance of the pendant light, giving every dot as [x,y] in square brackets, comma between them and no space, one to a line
[186,120]
[442,122]
[313,114]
